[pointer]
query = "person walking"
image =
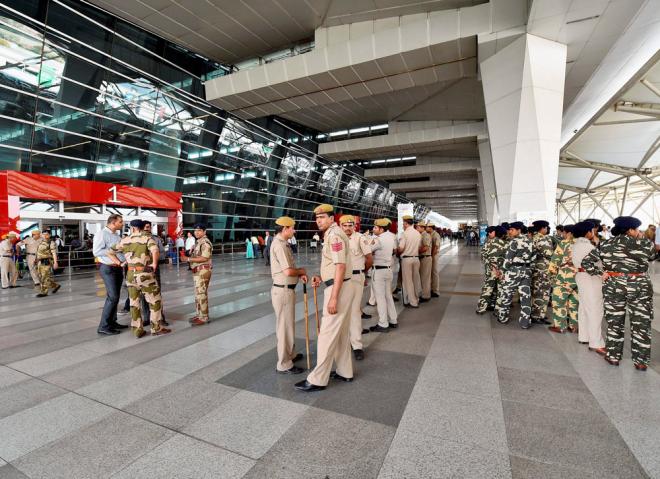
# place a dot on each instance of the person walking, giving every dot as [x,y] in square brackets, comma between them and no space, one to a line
[47,262]
[31,243]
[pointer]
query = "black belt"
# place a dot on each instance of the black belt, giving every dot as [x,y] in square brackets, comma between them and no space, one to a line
[290,286]
[410,256]
[358,271]
[381,267]
[6,256]
[330,282]
[31,254]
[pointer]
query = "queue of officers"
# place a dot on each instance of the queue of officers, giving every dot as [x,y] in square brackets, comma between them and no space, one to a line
[583,277]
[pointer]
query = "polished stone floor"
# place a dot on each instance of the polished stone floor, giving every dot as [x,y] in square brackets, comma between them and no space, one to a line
[448,394]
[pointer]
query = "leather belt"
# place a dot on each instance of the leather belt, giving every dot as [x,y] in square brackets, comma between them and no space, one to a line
[6,256]
[290,286]
[410,256]
[330,282]
[358,271]
[616,274]
[199,268]
[381,267]
[30,254]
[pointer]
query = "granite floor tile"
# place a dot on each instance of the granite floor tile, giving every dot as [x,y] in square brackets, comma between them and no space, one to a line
[30,429]
[522,468]
[40,365]
[88,372]
[9,376]
[189,359]
[402,342]
[181,403]
[477,378]
[248,423]
[412,456]
[26,394]
[326,444]
[184,457]
[82,455]
[10,472]
[544,361]
[643,439]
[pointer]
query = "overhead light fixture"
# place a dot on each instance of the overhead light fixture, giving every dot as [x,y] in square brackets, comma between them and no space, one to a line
[585,19]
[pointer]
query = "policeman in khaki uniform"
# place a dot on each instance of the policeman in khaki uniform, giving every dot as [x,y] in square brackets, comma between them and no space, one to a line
[31,244]
[333,344]
[381,282]
[7,265]
[46,263]
[409,253]
[283,295]
[141,252]
[435,255]
[361,259]
[200,264]
[425,262]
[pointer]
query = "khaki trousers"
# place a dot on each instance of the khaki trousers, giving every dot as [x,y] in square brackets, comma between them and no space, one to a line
[32,267]
[590,310]
[284,304]
[435,274]
[355,329]
[410,279]
[382,284]
[8,272]
[425,269]
[333,345]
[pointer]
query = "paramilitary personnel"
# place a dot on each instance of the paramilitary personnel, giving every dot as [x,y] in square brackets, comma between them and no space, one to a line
[541,283]
[565,298]
[202,267]
[435,255]
[46,263]
[285,276]
[383,255]
[627,287]
[361,259]
[7,265]
[161,254]
[141,253]
[516,275]
[409,253]
[492,256]
[425,261]
[31,244]
[333,344]
[590,309]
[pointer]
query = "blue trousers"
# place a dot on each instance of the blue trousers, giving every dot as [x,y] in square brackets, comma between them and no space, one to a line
[112,278]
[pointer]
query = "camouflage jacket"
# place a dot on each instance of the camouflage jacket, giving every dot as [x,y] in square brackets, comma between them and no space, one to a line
[561,263]
[543,249]
[138,248]
[620,254]
[496,253]
[519,253]
[47,250]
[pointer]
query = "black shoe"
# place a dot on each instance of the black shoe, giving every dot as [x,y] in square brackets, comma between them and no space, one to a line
[394,325]
[334,375]
[56,288]
[424,300]
[146,323]
[40,295]
[119,326]
[435,295]
[308,387]
[537,321]
[365,331]
[359,355]
[379,329]
[395,299]
[16,286]
[365,315]
[164,323]
[107,332]
[292,370]
[490,308]
[297,357]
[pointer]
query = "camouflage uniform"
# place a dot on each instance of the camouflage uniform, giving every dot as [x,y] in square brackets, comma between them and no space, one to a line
[541,283]
[138,249]
[565,301]
[517,276]
[202,276]
[492,255]
[624,254]
[46,254]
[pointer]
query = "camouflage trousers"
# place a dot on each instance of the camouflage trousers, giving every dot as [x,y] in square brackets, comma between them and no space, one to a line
[515,279]
[565,302]
[488,292]
[145,284]
[202,279]
[541,287]
[634,293]
[46,278]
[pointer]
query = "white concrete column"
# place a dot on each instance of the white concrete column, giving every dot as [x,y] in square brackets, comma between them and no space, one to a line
[524,90]
[487,181]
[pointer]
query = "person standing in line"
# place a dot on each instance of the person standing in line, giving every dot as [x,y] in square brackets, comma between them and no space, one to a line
[141,255]
[627,289]
[565,300]
[489,286]
[202,267]
[31,243]
[425,262]
[146,311]
[435,256]
[361,259]
[383,249]
[333,344]
[285,276]
[47,262]
[269,242]
[590,308]
[541,283]
[7,264]
[111,274]
[408,250]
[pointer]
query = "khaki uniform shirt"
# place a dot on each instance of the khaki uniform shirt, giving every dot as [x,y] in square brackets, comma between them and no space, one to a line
[138,248]
[47,250]
[281,258]
[360,247]
[31,244]
[428,242]
[6,248]
[436,240]
[410,242]
[384,248]
[335,251]
[204,248]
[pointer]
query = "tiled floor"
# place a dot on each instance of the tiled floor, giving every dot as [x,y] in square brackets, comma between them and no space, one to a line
[448,394]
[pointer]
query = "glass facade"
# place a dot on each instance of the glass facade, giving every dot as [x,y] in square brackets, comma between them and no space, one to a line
[86,95]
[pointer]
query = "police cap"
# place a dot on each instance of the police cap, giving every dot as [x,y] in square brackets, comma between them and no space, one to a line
[324,208]
[581,229]
[595,221]
[407,218]
[200,226]
[382,222]
[538,224]
[625,223]
[500,230]
[490,229]
[137,224]
[285,221]
[345,219]
[569,228]
[516,225]
[505,225]
[421,223]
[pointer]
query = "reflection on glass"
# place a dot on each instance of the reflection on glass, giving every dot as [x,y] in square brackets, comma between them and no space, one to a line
[351,191]
[329,181]
[369,193]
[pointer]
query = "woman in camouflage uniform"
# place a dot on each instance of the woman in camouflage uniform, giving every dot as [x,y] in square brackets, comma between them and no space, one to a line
[492,256]
[565,299]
